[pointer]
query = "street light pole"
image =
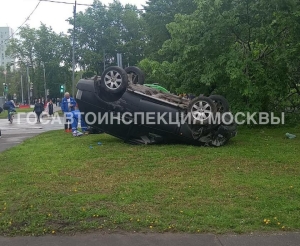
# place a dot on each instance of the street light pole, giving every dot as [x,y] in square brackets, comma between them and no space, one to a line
[28,84]
[22,88]
[4,92]
[73,53]
[45,87]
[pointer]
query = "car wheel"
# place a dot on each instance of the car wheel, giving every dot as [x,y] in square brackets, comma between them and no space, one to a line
[202,110]
[221,103]
[114,80]
[135,75]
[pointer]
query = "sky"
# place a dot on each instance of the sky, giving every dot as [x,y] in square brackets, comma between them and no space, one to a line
[13,13]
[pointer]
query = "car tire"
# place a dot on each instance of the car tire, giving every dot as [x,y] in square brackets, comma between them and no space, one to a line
[202,110]
[221,103]
[135,75]
[114,80]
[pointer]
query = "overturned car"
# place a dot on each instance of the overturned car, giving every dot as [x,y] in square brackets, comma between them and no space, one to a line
[119,104]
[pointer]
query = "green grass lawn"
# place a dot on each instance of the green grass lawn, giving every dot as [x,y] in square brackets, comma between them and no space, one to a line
[24,110]
[55,183]
[3,115]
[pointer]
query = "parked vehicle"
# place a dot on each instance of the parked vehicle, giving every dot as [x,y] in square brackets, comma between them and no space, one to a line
[118,104]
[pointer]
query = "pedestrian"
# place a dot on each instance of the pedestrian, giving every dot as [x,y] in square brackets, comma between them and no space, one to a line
[76,118]
[50,108]
[68,104]
[38,109]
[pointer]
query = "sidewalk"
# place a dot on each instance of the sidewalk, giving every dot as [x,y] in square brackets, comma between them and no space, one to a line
[22,128]
[166,239]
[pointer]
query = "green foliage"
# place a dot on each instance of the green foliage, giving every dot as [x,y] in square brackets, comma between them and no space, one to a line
[159,13]
[107,31]
[42,49]
[161,73]
[245,50]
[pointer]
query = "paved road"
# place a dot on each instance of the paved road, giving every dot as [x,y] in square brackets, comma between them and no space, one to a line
[167,239]
[25,127]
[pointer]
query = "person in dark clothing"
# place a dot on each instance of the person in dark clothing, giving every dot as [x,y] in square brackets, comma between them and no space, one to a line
[10,107]
[50,108]
[38,109]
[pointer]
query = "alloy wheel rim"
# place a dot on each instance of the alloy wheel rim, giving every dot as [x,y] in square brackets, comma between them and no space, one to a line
[113,80]
[201,111]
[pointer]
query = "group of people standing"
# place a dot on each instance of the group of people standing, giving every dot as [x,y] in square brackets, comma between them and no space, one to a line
[39,107]
[69,107]
[72,115]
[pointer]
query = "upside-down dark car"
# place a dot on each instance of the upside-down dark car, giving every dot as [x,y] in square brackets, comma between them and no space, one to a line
[119,104]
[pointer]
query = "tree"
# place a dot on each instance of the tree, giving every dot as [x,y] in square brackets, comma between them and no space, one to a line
[39,49]
[245,50]
[103,32]
[159,13]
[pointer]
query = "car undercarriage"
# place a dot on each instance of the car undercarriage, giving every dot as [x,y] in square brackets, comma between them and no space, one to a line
[202,121]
